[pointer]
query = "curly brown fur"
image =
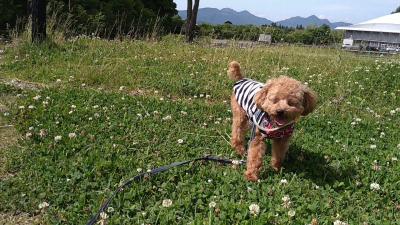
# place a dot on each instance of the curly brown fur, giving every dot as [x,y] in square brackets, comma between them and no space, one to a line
[285,100]
[239,126]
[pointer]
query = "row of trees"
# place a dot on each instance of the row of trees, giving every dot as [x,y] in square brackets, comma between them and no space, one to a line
[322,35]
[106,18]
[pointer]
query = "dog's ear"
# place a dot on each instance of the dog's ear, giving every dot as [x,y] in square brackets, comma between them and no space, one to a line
[261,96]
[309,101]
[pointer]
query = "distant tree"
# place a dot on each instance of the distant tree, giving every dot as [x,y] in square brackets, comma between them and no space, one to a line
[397,10]
[38,20]
[10,12]
[191,19]
[228,22]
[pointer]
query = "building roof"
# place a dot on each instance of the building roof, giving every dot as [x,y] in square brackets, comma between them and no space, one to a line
[385,24]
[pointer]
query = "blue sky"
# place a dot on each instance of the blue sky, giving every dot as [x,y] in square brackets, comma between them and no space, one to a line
[352,11]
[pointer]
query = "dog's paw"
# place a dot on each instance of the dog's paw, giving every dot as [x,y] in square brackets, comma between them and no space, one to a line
[276,165]
[251,176]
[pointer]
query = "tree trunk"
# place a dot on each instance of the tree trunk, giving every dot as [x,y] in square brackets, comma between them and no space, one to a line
[191,21]
[188,16]
[38,20]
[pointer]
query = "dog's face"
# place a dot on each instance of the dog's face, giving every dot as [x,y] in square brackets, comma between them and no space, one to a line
[285,99]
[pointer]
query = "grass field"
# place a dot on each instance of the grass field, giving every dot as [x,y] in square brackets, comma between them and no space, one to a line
[111,109]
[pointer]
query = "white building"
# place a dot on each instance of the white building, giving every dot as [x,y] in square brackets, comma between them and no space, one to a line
[382,33]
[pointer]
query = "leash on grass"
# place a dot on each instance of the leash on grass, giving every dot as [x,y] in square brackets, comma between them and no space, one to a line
[153,172]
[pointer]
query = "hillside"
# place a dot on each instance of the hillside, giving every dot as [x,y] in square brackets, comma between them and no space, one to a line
[216,16]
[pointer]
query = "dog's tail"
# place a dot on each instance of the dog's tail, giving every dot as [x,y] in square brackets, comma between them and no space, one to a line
[234,71]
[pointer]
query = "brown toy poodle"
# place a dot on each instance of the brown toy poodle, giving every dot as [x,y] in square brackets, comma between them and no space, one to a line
[273,109]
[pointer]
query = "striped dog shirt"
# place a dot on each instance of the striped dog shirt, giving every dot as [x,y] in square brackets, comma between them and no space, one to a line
[245,90]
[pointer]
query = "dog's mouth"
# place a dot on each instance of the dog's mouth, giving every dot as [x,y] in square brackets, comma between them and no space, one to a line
[279,121]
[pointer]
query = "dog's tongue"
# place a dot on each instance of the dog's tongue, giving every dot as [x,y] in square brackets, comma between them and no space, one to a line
[280,122]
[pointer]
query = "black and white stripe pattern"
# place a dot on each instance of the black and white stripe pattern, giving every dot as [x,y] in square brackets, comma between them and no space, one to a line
[245,90]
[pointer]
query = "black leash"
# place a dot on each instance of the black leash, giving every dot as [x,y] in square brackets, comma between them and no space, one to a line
[153,172]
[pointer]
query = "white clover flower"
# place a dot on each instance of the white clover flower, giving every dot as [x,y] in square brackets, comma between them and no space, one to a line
[169,117]
[45,102]
[83,84]
[180,141]
[212,204]
[392,112]
[73,106]
[184,113]
[37,97]
[394,159]
[286,201]
[382,135]
[372,146]
[43,205]
[30,128]
[103,216]
[161,99]
[58,80]
[28,135]
[21,107]
[57,138]
[375,186]
[201,95]
[338,222]
[95,106]
[167,203]
[208,96]
[42,133]
[121,88]
[31,107]
[195,96]
[284,181]
[358,120]
[139,170]
[235,162]
[286,198]
[254,209]
[6,114]
[292,213]
[90,118]
[72,135]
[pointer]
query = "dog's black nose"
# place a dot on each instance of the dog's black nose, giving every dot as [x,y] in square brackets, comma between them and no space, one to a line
[280,113]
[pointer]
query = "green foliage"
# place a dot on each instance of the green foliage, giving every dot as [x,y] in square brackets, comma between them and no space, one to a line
[10,12]
[322,35]
[102,18]
[347,144]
